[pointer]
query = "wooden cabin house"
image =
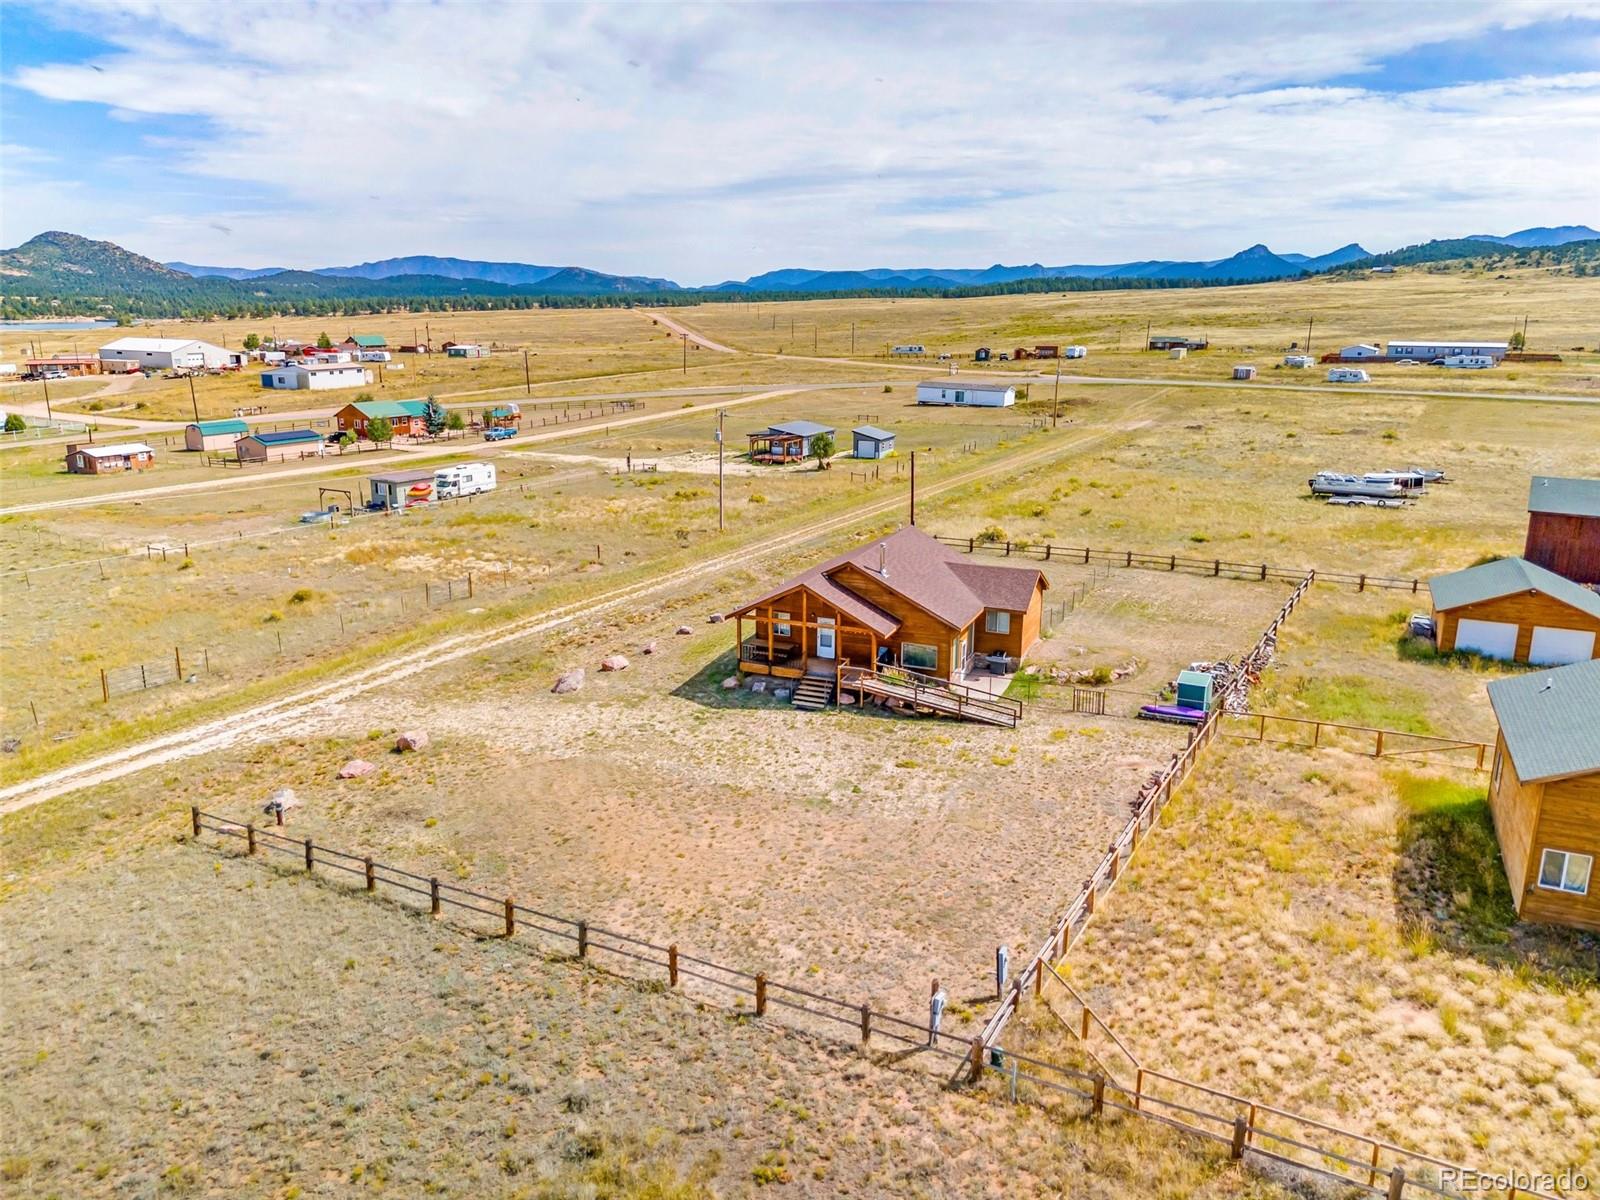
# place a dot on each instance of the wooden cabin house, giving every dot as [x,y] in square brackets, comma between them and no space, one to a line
[1545,792]
[789,442]
[905,601]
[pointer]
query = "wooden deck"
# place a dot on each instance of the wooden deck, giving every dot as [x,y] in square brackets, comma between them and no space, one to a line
[932,696]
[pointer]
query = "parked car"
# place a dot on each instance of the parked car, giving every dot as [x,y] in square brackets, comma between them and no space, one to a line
[1003,357]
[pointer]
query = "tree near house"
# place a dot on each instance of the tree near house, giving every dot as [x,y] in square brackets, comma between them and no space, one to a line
[15,423]
[455,422]
[822,449]
[1519,341]
[434,417]
[380,430]
[252,342]
[324,342]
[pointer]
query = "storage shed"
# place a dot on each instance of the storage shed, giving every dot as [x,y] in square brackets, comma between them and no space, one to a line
[1362,350]
[280,444]
[213,435]
[1564,527]
[976,393]
[1515,610]
[1244,372]
[466,350]
[1544,793]
[400,489]
[1167,341]
[872,442]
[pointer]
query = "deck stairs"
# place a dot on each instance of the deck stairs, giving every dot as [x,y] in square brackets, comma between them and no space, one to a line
[814,692]
[933,696]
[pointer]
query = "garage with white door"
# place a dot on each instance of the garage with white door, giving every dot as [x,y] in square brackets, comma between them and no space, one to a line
[1515,610]
[1558,647]
[1492,639]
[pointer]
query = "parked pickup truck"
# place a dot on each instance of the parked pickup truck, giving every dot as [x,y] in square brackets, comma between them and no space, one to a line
[499,433]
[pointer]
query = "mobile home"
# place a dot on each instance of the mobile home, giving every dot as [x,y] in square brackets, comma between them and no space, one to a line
[975,393]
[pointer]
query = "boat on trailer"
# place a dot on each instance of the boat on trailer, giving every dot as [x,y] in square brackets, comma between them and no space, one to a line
[1334,483]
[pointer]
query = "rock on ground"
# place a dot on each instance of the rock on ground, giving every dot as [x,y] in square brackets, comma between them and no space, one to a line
[569,681]
[613,662]
[356,768]
[649,648]
[731,682]
[413,739]
[683,630]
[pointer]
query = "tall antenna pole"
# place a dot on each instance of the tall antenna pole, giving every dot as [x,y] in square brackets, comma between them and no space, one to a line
[1309,320]
[527,377]
[913,487]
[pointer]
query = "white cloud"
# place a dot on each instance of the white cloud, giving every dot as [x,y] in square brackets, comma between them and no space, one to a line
[707,142]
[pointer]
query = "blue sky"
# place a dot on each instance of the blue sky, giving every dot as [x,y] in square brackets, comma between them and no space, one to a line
[705,142]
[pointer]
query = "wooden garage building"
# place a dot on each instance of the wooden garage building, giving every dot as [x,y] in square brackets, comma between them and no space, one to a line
[1564,527]
[1514,609]
[905,601]
[1545,792]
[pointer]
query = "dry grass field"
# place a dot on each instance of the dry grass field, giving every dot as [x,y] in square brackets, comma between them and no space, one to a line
[1314,927]
[1247,324]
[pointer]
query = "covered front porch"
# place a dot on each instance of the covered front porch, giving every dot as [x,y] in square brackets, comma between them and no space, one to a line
[770,447]
[790,644]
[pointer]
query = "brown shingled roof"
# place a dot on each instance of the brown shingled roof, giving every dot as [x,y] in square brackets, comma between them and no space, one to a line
[937,579]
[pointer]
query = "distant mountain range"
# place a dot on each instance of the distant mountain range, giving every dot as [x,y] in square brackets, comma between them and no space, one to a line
[57,272]
[1540,235]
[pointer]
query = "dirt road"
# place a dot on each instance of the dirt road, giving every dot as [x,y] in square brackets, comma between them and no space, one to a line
[262,719]
[682,330]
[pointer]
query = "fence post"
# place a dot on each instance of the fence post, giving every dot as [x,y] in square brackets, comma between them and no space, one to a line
[144,681]
[672,965]
[277,810]
[761,995]
[1138,1089]
[583,939]
[511,917]
[1239,1130]
[1397,1183]
[372,878]
[433,895]
[250,838]
[310,855]
[866,1024]
[1361,585]
[194,818]
[1263,570]
[469,585]
[1129,561]
[105,687]
[177,657]
[1378,751]
[977,1060]
[1047,552]
[1099,1101]
[1172,562]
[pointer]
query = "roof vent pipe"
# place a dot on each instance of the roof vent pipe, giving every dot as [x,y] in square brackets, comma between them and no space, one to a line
[883,560]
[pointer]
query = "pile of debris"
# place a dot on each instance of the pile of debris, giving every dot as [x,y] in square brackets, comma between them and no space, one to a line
[1233,681]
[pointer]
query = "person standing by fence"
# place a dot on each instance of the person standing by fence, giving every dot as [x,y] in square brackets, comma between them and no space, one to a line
[936,1003]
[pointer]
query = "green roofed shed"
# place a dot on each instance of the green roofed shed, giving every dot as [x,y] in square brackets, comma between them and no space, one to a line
[368,341]
[214,435]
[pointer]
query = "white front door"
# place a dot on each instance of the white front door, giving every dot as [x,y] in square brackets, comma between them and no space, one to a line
[1557,647]
[825,637]
[1492,639]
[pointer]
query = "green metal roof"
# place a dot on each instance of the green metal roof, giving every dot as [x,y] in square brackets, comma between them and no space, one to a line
[1508,577]
[1549,720]
[392,408]
[229,425]
[369,341]
[1571,497]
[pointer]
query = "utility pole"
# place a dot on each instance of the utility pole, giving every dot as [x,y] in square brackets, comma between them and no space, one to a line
[48,411]
[195,403]
[852,339]
[913,487]
[721,517]
[1147,335]
[685,353]
[1055,416]
[813,339]
[527,375]
[1309,321]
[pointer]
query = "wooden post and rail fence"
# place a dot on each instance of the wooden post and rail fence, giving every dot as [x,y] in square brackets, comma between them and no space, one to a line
[1146,561]
[1243,1125]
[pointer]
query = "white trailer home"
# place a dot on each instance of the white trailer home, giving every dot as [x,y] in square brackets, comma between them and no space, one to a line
[912,349]
[1432,348]
[1348,375]
[166,354]
[464,479]
[974,393]
[317,377]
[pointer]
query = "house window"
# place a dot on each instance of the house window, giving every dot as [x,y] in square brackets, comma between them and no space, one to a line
[1564,871]
[996,622]
[780,624]
[923,658]
[1494,781]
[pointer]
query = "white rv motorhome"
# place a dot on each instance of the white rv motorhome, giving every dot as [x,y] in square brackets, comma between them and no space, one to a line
[914,348]
[464,479]
[1076,352]
[1471,362]
[1348,375]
